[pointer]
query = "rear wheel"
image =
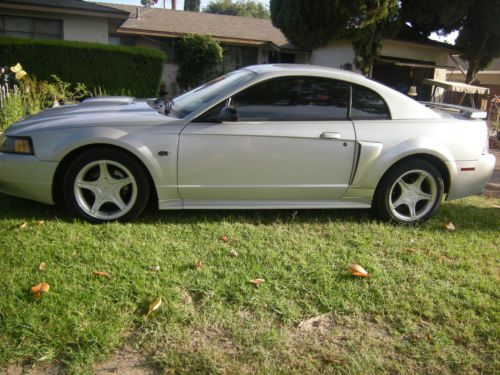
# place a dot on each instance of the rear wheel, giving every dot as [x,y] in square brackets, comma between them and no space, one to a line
[410,193]
[105,185]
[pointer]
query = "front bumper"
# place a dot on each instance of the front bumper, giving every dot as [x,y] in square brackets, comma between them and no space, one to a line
[27,177]
[470,177]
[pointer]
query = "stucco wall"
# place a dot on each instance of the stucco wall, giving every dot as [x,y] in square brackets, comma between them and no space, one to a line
[338,53]
[79,28]
[334,55]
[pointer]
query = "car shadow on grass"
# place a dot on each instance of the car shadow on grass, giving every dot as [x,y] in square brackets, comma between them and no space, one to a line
[466,215]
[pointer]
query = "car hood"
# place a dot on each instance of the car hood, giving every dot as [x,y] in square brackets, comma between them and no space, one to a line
[106,111]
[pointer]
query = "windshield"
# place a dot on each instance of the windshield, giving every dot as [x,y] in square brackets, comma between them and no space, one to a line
[187,103]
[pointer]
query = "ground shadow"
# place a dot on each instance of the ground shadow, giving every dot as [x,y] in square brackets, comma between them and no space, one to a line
[465,215]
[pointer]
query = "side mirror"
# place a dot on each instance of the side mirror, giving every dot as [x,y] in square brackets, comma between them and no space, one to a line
[227,114]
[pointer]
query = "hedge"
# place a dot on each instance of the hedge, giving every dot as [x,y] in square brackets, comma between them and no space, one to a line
[114,70]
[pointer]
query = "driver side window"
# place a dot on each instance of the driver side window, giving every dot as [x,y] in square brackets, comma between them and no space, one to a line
[294,98]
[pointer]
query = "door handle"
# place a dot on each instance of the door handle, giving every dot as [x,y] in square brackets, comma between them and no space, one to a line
[330,135]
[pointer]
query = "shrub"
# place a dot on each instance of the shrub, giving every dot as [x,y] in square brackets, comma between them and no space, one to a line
[118,69]
[23,94]
[199,57]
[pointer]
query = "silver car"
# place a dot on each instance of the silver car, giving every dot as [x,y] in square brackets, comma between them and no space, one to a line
[263,137]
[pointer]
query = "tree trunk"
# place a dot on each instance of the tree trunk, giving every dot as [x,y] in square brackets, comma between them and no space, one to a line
[474,66]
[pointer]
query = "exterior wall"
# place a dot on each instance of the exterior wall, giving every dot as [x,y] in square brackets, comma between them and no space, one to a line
[334,55]
[79,28]
[490,78]
[338,53]
[393,48]
[168,78]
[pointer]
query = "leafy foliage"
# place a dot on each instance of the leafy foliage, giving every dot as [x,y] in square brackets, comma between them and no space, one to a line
[441,16]
[192,5]
[311,24]
[29,96]
[480,36]
[476,20]
[372,21]
[199,56]
[116,68]
[243,8]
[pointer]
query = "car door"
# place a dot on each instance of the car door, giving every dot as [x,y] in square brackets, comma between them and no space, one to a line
[292,142]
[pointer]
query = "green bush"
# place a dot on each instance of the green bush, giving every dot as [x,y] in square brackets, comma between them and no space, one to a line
[116,69]
[199,58]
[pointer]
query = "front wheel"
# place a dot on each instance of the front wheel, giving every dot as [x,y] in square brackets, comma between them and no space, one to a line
[410,193]
[105,185]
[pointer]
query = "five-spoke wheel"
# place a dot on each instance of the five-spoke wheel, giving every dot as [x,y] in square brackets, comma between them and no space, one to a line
[410,192]
[105,185]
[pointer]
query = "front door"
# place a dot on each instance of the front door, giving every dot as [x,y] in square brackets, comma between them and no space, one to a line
[292,142]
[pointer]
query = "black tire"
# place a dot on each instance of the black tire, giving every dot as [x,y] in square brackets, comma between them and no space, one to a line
[119,166]
[390,192]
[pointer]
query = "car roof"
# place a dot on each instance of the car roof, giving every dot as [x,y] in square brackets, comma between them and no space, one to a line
[400,105]
[300,68]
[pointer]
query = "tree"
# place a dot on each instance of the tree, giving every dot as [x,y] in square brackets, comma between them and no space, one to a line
[376,18]
[479,36]
[310,24]
[476,21]
[243,8]
[199,56]
[192,5]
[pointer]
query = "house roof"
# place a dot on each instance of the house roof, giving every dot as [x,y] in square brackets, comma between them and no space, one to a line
[167,22]
[408,34]
[66,6]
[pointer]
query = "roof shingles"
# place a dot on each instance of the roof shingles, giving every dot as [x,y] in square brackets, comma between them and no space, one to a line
[174,22]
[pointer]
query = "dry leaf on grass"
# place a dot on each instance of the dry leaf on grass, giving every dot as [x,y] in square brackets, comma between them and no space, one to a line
[42,266]
[199,265]
[23,225]
[39,222]
[449,226]
[101,273]
[153,306]
[39,290]
[256,282]
[234,253]
[154,268]
[357,270]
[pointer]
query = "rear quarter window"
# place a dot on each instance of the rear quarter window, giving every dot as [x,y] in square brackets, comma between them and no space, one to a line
[368,105]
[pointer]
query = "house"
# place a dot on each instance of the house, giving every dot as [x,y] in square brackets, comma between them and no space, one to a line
[405,60]
[489,77]
[58,19]
[246,41]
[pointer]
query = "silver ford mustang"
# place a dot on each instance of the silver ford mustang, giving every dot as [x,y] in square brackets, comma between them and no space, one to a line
[268,136]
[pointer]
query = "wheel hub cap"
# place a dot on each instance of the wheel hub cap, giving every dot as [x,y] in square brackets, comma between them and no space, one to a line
[413,195]
[105,189]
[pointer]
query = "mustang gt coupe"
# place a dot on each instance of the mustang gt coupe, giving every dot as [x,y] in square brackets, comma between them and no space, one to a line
[263,137]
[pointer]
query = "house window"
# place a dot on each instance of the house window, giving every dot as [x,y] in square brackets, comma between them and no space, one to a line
[27,27]
[122,40]
[236,57]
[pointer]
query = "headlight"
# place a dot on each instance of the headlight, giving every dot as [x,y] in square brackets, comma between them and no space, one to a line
[16,145]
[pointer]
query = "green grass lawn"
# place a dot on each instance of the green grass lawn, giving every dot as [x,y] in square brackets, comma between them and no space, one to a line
[431,306]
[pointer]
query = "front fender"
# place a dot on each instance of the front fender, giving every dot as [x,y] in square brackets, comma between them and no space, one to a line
[145,144]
